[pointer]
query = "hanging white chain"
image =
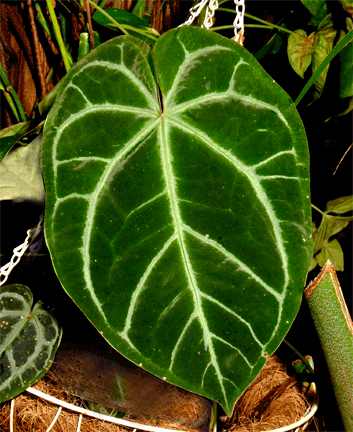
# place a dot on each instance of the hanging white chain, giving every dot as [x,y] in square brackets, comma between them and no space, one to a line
[211,8]
[195,12]
[20,250]
[239,21]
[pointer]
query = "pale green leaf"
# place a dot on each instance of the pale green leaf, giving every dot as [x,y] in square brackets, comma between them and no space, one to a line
[330,225]
[20,174]
[340,205]
[321,50]
[331,251]
[178,206]
[300,49]
[327,29]
[313,264]
[29,339]
[10,135]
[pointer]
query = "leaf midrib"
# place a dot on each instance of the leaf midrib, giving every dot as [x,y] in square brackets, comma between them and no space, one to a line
[166,158]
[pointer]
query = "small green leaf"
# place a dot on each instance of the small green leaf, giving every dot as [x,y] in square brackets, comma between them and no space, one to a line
[300,49]
[330,225]
[320,15]
[10,135]
[272,46]
[347,6]
[321,51]
[327,29]
[313,5]
[28,343]
[331,251]
[340,205]
[130,22]
[20,174]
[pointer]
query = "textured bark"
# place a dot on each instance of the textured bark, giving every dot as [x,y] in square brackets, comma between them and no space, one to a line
[27,53]
[25,59]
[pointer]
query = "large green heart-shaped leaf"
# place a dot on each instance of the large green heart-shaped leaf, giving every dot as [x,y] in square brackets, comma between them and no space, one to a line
[178,214]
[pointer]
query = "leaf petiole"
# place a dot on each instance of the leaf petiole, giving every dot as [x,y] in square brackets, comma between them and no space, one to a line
[268,24]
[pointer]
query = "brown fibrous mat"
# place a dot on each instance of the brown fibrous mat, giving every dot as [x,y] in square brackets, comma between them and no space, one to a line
[272,401]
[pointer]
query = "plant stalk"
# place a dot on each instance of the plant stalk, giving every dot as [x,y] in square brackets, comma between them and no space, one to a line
[140,5]
[12,97]
[112,20]
[317,209]
[246,25]
[335,329]
[58,35]
[41,19]
[268,24]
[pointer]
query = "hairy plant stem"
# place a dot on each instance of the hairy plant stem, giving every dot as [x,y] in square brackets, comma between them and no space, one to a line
[335,330]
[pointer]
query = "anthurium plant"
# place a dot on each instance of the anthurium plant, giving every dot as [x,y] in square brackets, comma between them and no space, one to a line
[178,206]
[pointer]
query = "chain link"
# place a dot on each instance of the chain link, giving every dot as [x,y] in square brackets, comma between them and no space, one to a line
[194,12]
[211,8]
[239,21]
[20,250]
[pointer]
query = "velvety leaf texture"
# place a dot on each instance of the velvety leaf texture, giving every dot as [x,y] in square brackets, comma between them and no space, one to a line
[178,209]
